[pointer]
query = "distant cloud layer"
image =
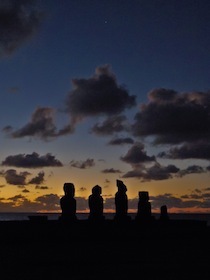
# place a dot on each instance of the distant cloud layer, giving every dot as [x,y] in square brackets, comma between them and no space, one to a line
[33,160]
[195,200]
[19,20]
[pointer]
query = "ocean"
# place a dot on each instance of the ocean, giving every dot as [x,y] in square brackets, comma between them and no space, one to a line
[15,216]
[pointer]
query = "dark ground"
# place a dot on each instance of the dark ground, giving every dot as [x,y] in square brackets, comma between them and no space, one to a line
[51,250]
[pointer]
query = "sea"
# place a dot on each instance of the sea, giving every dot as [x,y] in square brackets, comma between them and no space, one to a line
[24,216]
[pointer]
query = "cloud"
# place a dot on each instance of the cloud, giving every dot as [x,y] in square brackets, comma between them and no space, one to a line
[112,124]
[39,179]
[196,150]
[137,155]
[193,169]
[18,197]
[21,204]
[12,177]
[42,125]
[83,164]
[25,191]
[121,141]
[173,202]
[111,170]
[82,203]
[173,117]
[41,187]
[147,168]
[19,21]
[100,95]
[33,160]
[109,203]
[49,201]
[155,172]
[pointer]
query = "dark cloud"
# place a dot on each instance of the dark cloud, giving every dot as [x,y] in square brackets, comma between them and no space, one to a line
[121,141]
[19,20]
[155,172]
[41,187]
[98,95]
[198,191]
[49,201]
[39,179]
[16,198]
[111,170]
[42,125]
[83,164]
[173,202]
[82,203]
[193,169]
[147,168]
[191,196]
[33,160]
[133,203]
[109,203]
[21,204]
[197,150]
[111,125]
[173,117]
[12,177]
[137,155]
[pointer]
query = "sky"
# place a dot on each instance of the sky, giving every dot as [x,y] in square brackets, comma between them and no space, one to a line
[94,91]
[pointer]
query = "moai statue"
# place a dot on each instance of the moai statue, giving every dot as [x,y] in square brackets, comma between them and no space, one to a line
[96,204]
[121,203]
[68,203]
[144,207]
[164,214]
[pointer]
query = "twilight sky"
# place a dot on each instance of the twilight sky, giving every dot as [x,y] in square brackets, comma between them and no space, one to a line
[94,91]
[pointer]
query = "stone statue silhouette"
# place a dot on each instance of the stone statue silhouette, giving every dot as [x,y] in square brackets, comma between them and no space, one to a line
[96,204]
[68,203]
[121,202]
[164,218]
[144,207]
